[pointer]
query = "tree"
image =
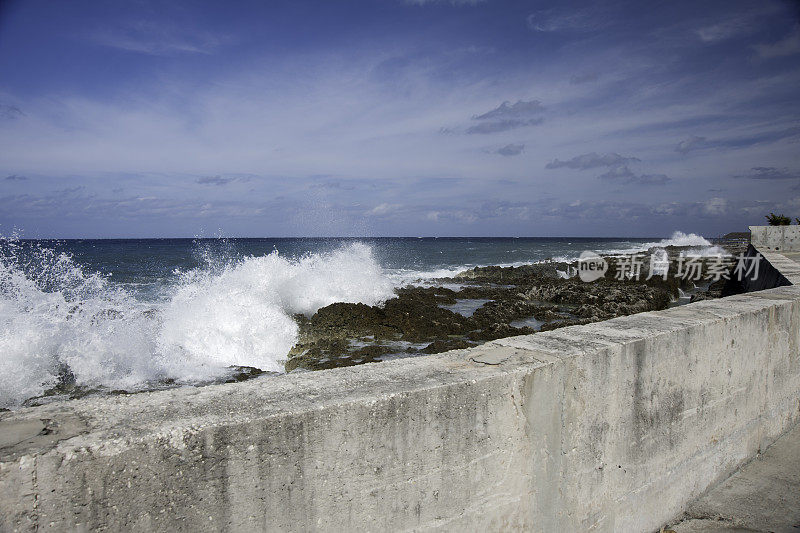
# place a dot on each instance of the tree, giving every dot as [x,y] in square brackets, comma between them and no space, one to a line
[778,220]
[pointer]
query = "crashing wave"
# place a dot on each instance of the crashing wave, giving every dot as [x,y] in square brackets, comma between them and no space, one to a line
[55,316]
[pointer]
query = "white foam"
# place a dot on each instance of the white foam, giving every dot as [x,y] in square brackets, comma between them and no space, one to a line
[680,238]
[402,276]
[697,246]
[52,314]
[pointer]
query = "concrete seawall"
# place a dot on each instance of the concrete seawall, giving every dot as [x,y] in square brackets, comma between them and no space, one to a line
[611,426]
[775,238]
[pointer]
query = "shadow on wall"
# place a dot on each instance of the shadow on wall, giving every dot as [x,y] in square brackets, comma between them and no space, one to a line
[759,275]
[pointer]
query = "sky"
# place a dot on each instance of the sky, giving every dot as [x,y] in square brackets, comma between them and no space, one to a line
[397,117]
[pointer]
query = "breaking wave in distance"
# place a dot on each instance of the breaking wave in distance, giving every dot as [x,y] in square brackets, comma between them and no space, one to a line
[680,238]
[697,244]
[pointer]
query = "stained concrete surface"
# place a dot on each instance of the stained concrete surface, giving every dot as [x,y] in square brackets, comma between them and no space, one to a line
[763,496]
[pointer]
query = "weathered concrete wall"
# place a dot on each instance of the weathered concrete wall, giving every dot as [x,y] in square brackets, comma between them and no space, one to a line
[775,238]
[611,426]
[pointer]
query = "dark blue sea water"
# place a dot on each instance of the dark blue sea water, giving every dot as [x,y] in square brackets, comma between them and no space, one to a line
[127,313]
[150,262]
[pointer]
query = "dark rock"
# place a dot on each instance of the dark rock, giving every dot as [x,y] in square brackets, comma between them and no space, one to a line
[243,373]
[439,346]
[415,316]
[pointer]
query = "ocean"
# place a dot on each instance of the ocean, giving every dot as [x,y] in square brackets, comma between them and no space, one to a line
[130,314]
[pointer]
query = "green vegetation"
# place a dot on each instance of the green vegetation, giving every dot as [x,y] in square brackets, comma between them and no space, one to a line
[778,220]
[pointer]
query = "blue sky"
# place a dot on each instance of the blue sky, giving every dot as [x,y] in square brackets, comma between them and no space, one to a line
[394,117]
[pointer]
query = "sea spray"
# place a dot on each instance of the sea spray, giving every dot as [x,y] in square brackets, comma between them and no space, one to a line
[243,314]
[695,245]
[55,316]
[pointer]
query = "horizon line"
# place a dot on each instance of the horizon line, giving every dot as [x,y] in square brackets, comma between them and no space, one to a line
[362,237]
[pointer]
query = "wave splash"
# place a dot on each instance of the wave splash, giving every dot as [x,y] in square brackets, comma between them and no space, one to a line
[696,245]
[55,316]
[680,238]
[699,246]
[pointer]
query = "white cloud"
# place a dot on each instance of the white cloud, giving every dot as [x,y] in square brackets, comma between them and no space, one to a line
[787,46]
[692,143]
[715,206]
[383,209]
[157,38]
[726,30]
[553,20]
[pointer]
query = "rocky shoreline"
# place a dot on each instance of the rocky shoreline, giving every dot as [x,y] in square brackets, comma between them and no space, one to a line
[490,303]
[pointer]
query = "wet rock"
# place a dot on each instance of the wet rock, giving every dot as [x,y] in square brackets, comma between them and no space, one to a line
[439,346]
[324,357]
[497,330]
[502,275]
[243,373]
[343,334]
